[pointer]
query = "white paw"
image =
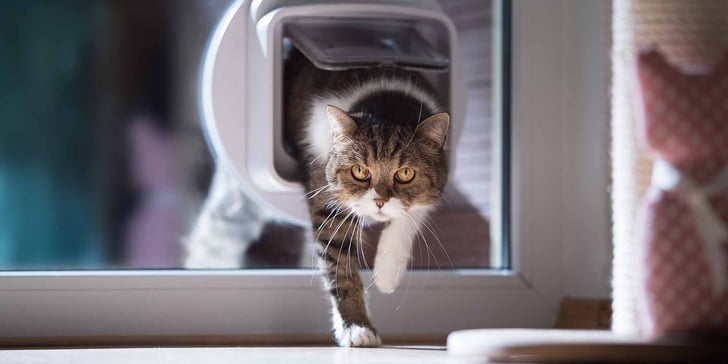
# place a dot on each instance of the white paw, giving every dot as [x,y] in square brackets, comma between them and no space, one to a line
[393,255]
[387,276]
[357,336]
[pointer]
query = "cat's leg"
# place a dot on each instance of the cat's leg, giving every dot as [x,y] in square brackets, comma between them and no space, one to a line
[395,250]
[340,269]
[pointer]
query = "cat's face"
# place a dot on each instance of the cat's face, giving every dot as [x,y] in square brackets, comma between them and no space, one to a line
[385,173]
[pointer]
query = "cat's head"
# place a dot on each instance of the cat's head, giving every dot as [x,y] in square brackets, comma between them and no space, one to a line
[386,172]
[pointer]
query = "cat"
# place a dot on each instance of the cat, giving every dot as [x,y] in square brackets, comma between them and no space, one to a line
[367,156]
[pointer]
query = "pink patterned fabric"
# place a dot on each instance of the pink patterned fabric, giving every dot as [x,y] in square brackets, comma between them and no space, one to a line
[686,125]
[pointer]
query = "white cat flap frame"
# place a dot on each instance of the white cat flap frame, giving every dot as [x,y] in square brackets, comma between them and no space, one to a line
[559,233]
[241,92]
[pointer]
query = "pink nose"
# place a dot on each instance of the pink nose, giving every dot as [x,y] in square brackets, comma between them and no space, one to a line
[379,202]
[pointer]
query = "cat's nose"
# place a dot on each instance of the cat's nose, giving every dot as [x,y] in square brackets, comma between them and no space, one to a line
[379,202]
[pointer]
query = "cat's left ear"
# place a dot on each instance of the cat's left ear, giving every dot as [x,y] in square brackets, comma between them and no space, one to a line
[340,121]
[434,129]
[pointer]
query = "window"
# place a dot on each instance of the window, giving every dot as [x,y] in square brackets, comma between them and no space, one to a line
[137,156]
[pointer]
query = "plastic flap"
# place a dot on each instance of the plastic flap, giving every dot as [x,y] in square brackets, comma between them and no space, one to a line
[342,44]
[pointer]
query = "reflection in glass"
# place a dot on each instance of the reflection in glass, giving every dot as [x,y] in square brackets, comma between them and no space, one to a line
[103,164]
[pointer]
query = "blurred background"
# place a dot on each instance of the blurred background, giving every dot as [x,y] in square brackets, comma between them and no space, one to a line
[102,161]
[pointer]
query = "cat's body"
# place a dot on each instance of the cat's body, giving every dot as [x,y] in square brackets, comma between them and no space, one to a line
[370,147]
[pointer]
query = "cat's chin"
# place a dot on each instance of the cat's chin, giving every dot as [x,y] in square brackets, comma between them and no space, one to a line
[378,217]
[381,217]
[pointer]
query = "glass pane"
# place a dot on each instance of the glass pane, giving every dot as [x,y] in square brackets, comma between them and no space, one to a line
[104,163]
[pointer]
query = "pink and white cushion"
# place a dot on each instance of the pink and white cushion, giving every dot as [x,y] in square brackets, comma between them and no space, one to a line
[685,255]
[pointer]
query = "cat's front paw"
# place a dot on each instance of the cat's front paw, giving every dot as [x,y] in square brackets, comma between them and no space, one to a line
[357,336]
[393,255]
[387,277]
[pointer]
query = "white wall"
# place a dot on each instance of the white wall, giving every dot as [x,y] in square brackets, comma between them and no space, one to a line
[587,242]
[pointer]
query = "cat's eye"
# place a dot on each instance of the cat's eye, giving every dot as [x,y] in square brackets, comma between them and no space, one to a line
[360,173]
[404,175]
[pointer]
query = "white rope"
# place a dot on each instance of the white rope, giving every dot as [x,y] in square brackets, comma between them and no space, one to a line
[711,228]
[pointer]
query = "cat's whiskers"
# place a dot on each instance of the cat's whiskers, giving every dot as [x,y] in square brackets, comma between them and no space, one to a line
[335,212]
[360,244]
[447,201]
[421,236]
[338,260]
[357,230]
[425,221]
[418,235]
[363,242]
[363,124]
[377,270]
[371,280]
[336,231]
[411,227]
[341,247]
[419,251]
[332,215]
[431,225]
[351,241]
[313,193]
[318,235]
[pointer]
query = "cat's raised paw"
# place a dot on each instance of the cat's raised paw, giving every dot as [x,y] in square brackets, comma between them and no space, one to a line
[387,277]
[357,336]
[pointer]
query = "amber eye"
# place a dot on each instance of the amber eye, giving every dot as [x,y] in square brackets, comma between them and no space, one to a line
[360,173]
[404,175]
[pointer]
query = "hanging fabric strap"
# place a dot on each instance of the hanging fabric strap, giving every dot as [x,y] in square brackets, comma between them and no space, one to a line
[711,228]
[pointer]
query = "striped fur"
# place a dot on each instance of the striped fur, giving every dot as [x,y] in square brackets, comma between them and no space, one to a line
[381,120]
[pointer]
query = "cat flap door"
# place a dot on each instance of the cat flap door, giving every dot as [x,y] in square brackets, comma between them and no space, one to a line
[356,43]
[243,79]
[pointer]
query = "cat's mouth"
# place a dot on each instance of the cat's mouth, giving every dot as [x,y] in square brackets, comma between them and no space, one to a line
[368,211]
[380,216]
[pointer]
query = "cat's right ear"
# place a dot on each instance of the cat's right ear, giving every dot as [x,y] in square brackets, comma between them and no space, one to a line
[340,121]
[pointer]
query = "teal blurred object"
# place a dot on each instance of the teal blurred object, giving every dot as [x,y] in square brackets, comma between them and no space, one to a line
[48,203]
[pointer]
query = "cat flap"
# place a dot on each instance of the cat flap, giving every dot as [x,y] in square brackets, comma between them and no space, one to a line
[340,44]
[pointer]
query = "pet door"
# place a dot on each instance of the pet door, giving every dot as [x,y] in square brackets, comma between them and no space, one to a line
[350,43]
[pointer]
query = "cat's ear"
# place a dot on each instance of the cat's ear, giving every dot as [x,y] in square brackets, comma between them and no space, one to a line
[434,129]
[340,121]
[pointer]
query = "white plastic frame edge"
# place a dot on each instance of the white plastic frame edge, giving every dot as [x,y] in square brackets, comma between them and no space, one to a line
[260,302]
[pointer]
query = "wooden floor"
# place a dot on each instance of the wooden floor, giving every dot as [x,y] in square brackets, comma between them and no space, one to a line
[268,355]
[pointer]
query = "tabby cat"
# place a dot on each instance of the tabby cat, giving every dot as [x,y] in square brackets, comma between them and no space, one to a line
[368,156]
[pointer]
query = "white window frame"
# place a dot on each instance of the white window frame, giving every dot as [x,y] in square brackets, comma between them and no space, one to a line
[546,184]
